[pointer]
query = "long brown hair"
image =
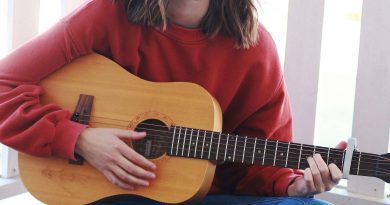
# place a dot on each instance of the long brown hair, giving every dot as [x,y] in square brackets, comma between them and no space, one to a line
[232,18]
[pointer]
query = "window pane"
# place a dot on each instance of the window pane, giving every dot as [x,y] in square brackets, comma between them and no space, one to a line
[3,51]
[1,160]
[50,12]
[3,28]
[273,15]
[339,60]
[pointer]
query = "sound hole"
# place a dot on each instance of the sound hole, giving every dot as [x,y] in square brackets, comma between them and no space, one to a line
[156,142]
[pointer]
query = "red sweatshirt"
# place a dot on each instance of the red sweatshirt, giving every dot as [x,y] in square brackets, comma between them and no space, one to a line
[248,84]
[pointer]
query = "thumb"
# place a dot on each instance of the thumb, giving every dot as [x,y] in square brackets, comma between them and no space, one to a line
[342,145]
[129,134]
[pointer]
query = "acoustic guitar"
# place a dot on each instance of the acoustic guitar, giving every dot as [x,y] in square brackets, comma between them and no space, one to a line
[183,124]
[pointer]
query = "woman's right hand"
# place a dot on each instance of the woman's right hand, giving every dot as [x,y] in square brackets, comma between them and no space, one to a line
[122,166]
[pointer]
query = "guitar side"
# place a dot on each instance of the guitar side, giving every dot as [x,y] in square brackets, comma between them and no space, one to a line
[122,101]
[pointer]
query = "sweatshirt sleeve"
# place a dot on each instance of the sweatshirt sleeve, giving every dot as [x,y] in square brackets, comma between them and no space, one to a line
[274,121]
[25,124]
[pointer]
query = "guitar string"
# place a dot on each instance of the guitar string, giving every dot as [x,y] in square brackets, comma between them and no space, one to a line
[377,157]
[318,148]
[215,143]
[363,161]
[222,134]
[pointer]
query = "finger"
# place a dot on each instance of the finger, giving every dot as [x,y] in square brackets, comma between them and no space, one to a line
[130,134]
[136,158]
[130,179]
[116,181]
[335,173]
[308,177]
[324,172]
[135,170]
[320,187]
[342,145]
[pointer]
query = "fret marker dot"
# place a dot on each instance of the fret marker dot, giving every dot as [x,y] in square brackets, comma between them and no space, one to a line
[281,154]
[259,151]
[229,157]
[207,145]
[193,143]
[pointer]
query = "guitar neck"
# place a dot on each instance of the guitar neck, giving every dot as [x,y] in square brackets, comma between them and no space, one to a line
[203,144]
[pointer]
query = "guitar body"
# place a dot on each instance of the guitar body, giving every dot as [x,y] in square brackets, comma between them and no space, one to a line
[122,100]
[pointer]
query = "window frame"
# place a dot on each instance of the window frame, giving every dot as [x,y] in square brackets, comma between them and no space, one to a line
[22,25]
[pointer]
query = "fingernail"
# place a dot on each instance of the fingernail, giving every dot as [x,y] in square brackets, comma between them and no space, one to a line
[153,166]
[153,176]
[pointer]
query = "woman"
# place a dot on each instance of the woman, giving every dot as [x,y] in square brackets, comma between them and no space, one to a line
[217,44]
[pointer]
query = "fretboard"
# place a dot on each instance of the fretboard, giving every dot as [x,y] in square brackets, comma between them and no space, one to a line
[202,144]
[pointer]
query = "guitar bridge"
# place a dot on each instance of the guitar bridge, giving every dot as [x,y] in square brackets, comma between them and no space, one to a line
[82,114]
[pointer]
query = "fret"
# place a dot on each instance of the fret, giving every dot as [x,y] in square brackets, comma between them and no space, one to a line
[265,147]
[276,151]
[254,150]
[323,151]
[196,145]
[247,143]
[192,145]
[307,151]
[243,153]
[300,154]
[358,168]
[240,150]
[360,155]
[270,154]
[355,163]
[314,150]
[235,146]
[280,154]
[207,145]
[173,139]
[184,141]
[189,144]
[211,144]
[227,142]
[178,142]
[222,146]
[293,155]
[219,140]
[204,138]
[288,150]
[327,159]
[335,157]
[231,148]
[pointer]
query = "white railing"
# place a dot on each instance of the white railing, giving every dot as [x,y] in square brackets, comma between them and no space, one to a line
[302,68]
[372,102]
[372,108]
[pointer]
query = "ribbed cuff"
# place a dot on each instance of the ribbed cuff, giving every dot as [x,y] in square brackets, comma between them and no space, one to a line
[66,135]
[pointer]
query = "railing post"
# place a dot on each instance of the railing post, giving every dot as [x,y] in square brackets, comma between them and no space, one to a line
[302,63]
[372,101]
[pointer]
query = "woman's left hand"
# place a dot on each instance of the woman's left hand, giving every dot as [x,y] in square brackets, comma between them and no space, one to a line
[318,178]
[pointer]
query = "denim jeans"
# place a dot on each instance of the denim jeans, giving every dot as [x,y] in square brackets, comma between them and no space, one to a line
[226,200]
